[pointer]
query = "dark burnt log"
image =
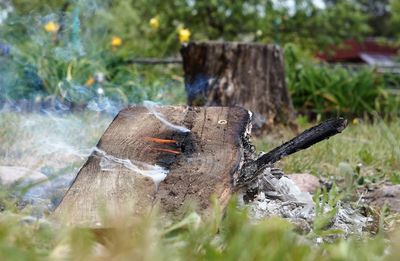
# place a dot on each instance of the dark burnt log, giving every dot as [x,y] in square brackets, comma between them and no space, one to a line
[309,137]
[245,74]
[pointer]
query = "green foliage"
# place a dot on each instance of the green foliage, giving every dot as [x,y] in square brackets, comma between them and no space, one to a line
[312,28]
[378,13]
[261,20]
[319,89]
[395,16]
[264,21]
[60,63]
[326,207]
[395,178]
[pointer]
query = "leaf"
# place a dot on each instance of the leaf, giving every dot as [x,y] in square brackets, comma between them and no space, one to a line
[366,156]
[329,97]
[395,178]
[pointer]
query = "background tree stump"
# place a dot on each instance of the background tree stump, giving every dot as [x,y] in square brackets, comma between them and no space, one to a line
[249,75]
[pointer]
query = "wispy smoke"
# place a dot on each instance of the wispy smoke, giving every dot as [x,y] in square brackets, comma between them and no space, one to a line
[109,162]
[152,107]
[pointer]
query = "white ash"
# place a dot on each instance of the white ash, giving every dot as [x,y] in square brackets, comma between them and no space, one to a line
[276,195]
[349,220]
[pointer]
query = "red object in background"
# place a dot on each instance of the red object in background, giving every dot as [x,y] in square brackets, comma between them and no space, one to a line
[368,51]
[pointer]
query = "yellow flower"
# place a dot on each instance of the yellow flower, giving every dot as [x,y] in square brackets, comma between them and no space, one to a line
[51,27]
[184,35]
[90,81]
[356,121]
[116,41]
[154,23]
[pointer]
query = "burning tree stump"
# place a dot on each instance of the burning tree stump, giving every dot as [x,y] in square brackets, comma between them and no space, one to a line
[117,178]
[249,75]
[171,157]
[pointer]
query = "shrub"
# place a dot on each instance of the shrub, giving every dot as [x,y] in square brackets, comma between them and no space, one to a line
[79,54]
[320,89]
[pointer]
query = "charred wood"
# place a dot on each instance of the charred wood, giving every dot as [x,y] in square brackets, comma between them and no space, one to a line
[309,137]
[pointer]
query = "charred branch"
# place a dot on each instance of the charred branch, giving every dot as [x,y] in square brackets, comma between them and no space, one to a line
[309,137]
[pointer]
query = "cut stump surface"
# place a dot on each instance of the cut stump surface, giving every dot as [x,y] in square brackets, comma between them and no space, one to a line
[201,163]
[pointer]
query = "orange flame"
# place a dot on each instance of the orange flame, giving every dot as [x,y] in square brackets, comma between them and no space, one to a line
[168,151]
[157,140]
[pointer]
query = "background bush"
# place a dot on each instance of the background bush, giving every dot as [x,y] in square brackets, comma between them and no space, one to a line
[321,89]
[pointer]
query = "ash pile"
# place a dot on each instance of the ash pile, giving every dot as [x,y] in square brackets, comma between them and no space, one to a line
[274,194]
[266,191]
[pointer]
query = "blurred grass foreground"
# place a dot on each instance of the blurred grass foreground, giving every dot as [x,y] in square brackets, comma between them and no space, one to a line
[66,68]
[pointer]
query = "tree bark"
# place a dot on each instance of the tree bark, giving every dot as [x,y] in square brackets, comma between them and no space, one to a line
[244,74]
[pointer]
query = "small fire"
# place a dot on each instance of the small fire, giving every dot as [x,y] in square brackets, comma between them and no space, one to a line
[168,150]
[162,141]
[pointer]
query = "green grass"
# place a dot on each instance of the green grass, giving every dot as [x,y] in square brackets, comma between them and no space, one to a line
[373,147]
[233,238]
[221,236]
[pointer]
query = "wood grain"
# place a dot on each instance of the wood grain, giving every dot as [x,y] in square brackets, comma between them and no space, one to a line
[208,157]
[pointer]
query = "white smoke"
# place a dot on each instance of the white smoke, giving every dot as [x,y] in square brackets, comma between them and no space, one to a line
[109,163]
[152,107]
